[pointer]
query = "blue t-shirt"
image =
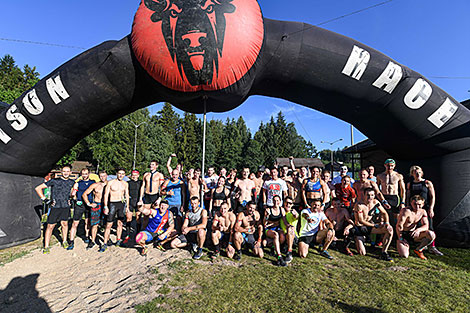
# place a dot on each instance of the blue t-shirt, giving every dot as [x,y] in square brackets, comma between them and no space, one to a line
[175,187]
[82,187]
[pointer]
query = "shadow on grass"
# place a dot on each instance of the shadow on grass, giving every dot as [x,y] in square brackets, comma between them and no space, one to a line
[459,258]
[353,308]
[21,296]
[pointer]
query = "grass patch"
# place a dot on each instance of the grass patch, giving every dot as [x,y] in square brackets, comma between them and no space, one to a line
[315,284]
[10,254]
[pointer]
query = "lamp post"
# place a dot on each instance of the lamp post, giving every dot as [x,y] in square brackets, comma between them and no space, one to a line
[331,150]
[135,138]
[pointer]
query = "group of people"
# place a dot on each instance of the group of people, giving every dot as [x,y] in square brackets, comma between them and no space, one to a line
[276,209]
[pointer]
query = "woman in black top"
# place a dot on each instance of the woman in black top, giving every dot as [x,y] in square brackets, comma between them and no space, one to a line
[219,195]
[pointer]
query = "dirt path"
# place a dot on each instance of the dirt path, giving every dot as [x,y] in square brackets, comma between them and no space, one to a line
[83,281]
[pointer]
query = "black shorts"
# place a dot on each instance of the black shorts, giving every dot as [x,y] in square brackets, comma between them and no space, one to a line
[133,206]
[394,202]
[57,215]
[406,235]
[309,239]
[149,199]
[249,239]
[362,230]
[79,210]
[116,209]
[190,237]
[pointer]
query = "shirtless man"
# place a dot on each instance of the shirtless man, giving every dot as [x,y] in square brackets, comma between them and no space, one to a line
[368,217]
[259,183]
[408,229]
[363,183]
[294,191]
[246,189]
[341,220]
[194,184]
[116,195]
[150,190]
[248,223]
[222,230]
[326,176]
[95,207]
[393,188]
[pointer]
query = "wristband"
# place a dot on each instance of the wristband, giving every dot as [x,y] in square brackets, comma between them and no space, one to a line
[401,238]
[384,202]
[43,198]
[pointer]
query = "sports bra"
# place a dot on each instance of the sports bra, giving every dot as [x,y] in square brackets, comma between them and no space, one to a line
[419,188]
[219,195]
[274,218]
[313,186]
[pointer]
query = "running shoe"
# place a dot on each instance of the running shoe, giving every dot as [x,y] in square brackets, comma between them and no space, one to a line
[380,244]
[71,246]
[91,244]
[46,250]
[280,261]
[194,248]
[237,256]
[288,257]
[420,254]
[349,252]
[65,245]
[103,248]
[386,257]
[434,251]
[87,240]
[326,254]
[109,243]
[198,254]
[119,243]
[144,251]
[215,255]
[126,239]
[160,247]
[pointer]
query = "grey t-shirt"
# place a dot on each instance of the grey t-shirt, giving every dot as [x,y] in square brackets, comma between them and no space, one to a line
[60,192]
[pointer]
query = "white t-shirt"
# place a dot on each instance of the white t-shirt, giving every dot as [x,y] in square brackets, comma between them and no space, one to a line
[274,187]
[337,180]
[310,229]
[211,181]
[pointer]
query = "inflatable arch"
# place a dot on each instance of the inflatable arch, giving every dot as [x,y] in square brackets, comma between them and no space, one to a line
[217,53]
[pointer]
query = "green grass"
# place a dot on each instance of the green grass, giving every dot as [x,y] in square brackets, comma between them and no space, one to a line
[315,284]
[10,254]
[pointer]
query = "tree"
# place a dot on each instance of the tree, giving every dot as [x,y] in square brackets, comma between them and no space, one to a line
[13,80]
[188,141]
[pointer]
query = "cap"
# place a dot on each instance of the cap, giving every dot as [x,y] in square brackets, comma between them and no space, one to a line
[388,161]
[135,172]
[164,201]
[261,168]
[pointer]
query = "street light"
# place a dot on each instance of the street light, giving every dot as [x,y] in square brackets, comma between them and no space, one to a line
[331,150]
[135,138]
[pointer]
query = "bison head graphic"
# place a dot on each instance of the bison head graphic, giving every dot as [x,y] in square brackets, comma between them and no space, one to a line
[194,32]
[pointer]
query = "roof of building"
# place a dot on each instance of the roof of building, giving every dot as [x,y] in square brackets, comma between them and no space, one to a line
[363,146]
[298,162]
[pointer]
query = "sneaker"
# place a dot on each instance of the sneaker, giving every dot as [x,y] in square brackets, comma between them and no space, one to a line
[288,258]
[380,244]
[109,243]
[237,256]
[420,254]
[46,250]
[160,247]
[280,261]
[198,254]
[327,255]
[215,255]
[90,245]
[87,240]
[194,248]
[126,240]
[71,246]
[386,257]
[119,243]
[144,251]
[103,248]
[65,245]
[349,252]
[434,251]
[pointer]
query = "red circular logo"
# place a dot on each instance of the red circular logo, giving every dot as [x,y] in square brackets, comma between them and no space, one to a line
[193,45]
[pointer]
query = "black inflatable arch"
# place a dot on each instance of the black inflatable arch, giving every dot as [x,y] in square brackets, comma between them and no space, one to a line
[224,51]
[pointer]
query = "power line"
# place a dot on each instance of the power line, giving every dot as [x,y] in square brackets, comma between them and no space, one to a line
[42,43]
[450,77]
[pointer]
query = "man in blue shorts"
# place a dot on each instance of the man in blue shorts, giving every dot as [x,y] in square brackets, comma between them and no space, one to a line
[160,225]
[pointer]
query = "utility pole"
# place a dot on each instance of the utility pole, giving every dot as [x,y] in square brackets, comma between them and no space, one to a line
[135,138]
[331,150]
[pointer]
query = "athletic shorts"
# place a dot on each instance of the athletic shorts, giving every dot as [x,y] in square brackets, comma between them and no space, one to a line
[362,231]
[190,237]
[149,199]
[224,238]
[394,202]
[309,239]
[406,235]
[249,239]
[79,210]
[56,215]
[273,228]
[133,206]
[95,214]
[151,236]
[175,210]
[116,209]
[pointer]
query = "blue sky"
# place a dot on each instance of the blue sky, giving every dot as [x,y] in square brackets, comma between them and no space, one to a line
[429,36]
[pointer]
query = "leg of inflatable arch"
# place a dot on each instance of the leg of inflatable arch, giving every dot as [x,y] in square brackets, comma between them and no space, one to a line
[19,221]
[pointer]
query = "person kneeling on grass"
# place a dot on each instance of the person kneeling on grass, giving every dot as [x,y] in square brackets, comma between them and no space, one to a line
[315,227]
[413,226]
[193,230]
[248,224]
[160,225]
[222,230]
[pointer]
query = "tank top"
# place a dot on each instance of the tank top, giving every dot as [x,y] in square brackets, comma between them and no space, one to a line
[157,223]
[313,186]
[134,188]
[175,199]
[419,188]
[195,218]
[82,187]
[274,218]
[219,195]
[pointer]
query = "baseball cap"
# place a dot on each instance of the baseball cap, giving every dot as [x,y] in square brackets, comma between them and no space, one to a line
[135,172]
[388,161]
[261,168]
[164,201]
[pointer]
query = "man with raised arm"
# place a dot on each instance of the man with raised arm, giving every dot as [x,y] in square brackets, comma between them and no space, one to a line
[193,231]
[249,224]
[160,226]
[116,205]
[61,190]
[97,189]
[222,230]
[413,227]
